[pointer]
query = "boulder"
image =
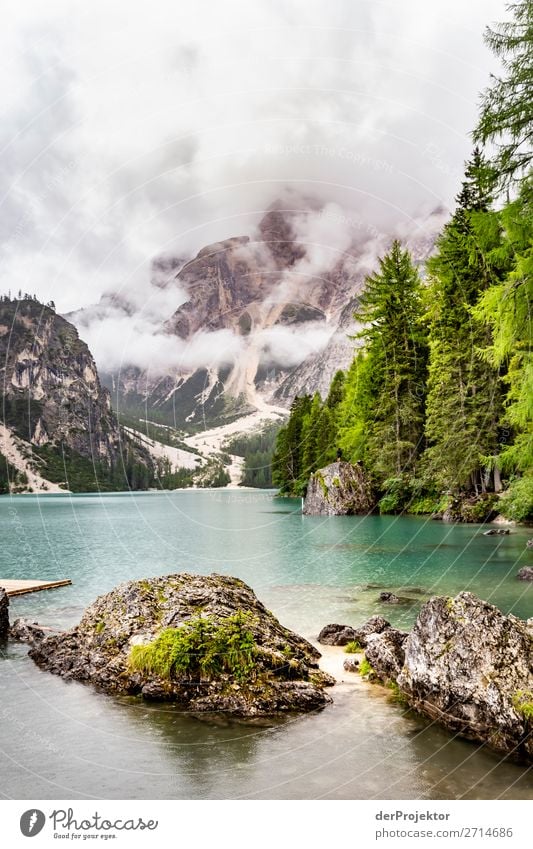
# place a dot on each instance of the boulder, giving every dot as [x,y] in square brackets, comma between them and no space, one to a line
[351,664]
[205,642]
[385,653]
[470,667]
[525,574]
[340,489]
[26,632]
[4,614]
[529,543]
[374,625]
[336,635]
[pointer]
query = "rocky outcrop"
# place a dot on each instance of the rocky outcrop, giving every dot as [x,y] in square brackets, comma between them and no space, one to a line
[340,489]
[51,396]
[525,574]
[471,508]
[467,666]
[4,614]
[205,642]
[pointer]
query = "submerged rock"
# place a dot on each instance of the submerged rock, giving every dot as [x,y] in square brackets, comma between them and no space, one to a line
[351,664]
[496,532]
[205,642]
[470,667]
[4,614]
[525,574]
[336,635]
[389,598]
[339,489]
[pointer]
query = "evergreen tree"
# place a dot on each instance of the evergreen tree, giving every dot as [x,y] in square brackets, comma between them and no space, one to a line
[464,393]
[507,308]
[396,351]
[506,117]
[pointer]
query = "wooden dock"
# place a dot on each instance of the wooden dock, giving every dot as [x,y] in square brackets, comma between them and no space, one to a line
[16,587]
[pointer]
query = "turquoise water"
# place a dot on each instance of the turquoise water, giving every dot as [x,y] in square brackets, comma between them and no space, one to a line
[65,740]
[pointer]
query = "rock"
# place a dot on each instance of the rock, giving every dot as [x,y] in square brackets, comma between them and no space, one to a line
[389,598]
[529,543]
[525,574]
[26,632]
[470,668]
[374,625]
[492,532]
[471,508]
[351,664]
[4,614]
[385,653]
[336,635]
[339,489]
[275,669]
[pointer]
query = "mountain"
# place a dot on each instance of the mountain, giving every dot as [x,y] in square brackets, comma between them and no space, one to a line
[57,426]
[258,320]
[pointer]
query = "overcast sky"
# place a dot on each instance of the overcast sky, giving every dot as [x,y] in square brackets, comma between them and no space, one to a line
[132,129]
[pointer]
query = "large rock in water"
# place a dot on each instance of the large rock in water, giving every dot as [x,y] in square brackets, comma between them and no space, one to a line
[339,489]
[218,648]
[469,667]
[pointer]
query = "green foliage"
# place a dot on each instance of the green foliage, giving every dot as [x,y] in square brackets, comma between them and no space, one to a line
[352,647]
[212,475]
[257,450]
[464,400]
[396,347]
[507,107]
[199,648]
[366,669]
[309,441]
[523,704]
[11,480]
[396,694]
[517,502]
[507,309]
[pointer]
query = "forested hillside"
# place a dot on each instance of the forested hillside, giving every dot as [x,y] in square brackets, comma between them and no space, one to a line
[438,403]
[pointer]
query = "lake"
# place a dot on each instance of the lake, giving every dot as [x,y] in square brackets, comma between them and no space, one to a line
[65,740]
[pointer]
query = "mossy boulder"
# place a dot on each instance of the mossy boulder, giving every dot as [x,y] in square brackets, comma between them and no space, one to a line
[205,642]
[340,489]
[467,666]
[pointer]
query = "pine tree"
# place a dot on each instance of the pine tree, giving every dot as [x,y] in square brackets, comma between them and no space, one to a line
[464,392]
[507,308]
[506,117]
[395,341]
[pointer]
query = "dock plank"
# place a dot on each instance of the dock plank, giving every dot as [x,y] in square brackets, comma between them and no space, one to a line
[20,587]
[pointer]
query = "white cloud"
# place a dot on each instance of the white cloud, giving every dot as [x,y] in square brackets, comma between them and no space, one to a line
[135,129]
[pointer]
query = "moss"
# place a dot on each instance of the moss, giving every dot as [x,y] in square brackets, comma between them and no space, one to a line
[336,482]
[352,647]
[99,627]
[320,478]
[523,704]
[366,669]
[449,605]
[396,694]
[199,648]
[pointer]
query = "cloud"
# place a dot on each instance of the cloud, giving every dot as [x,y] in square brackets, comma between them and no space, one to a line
[287,346]
[134,130]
